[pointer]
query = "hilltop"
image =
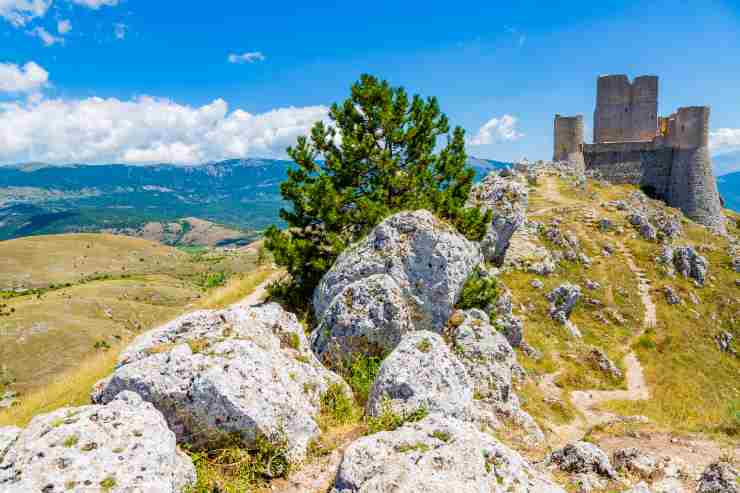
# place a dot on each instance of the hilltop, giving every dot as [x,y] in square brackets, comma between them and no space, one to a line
[610,341]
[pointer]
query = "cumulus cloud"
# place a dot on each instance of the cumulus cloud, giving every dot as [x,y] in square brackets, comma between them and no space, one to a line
[46,37]
[19,12]
[724,139]
[249,57]
[495,130]
[120,30]
[64,26]
[29,78]
[145,129]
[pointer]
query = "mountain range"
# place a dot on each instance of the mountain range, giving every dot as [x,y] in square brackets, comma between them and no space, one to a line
[243,194]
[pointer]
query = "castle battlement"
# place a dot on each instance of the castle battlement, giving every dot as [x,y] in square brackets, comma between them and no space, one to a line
[667,156]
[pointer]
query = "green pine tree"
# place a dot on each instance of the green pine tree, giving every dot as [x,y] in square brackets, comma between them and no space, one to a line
[377,157]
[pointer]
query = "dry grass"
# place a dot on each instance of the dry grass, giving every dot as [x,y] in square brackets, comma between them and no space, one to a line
[236,288]
[71,388]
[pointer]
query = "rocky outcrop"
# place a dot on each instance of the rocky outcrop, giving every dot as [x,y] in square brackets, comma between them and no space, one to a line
[602,362]
[719,477]
[724,342]
[635,461]
[507,197]
[437,455]
[423,264]
[246,372]
[123,446]
[690,264]
[583,457]
[562,301]
[422,373]
[511,326]
[671,297]
[491,363]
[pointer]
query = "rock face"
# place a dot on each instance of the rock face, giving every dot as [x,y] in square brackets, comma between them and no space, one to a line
[562,301]
[687,262]
[437,455]
[244,371]
[583,457]
[491,363]
[425,263]
[508,198]
[123,446]
[719,477]
[422,373]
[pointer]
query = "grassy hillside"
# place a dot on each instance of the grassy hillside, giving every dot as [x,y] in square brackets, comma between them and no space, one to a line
[693,386]
[69,299]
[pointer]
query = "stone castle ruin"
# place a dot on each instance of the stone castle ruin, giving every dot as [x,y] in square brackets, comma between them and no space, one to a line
[668,157]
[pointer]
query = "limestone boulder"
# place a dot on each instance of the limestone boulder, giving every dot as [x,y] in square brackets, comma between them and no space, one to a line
[422,373]
[583,457]
[246,371]
[686,262]
[507,197]
[437,455]
[563,300]
[124,446]
[368,316]
[426,262]
[635,461]
[8,436]
[719,477]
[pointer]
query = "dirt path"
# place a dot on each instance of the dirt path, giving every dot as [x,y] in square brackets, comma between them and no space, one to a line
[586,400]
[258,295]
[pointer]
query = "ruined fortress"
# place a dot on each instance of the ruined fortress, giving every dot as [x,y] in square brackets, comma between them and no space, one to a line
[668,157]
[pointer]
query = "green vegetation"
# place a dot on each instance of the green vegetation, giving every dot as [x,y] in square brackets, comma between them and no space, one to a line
[360,374]
[388,420]
[232,467]
[337,408]
[479,292]
[386,163]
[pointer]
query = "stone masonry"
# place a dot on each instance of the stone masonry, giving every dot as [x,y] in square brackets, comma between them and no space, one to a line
[668,157]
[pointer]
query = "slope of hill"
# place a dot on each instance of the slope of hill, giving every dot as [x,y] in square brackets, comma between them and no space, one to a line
[66,298]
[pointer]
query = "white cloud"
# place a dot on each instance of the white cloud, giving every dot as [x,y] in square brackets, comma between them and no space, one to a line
[29,78]
[497,130]
[64,26]
[95,4]
[45,36]
[19,12]
[120,30]
[145,129]
[249,57]
[724,139]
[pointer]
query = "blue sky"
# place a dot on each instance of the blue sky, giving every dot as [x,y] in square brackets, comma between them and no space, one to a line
[143,80]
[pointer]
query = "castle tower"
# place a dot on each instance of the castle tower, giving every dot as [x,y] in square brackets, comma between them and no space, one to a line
[692,186]
[568,142]
[626,111]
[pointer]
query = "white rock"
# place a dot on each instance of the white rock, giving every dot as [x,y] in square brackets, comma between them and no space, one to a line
[427,259]
[244,371]
[508,198]
[422,373]
[437,455]
[125,445]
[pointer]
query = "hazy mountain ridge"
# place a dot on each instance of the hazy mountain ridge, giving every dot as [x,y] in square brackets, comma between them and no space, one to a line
[243,194]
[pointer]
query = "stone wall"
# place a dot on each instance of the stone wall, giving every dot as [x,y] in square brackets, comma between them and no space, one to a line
[626,111]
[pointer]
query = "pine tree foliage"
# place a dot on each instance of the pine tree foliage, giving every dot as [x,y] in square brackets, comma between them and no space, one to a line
[379,155]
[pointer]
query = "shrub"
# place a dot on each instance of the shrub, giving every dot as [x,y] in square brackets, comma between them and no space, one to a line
[337,405]
[360,374]
[389,420]
[478,292]
[377,157]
